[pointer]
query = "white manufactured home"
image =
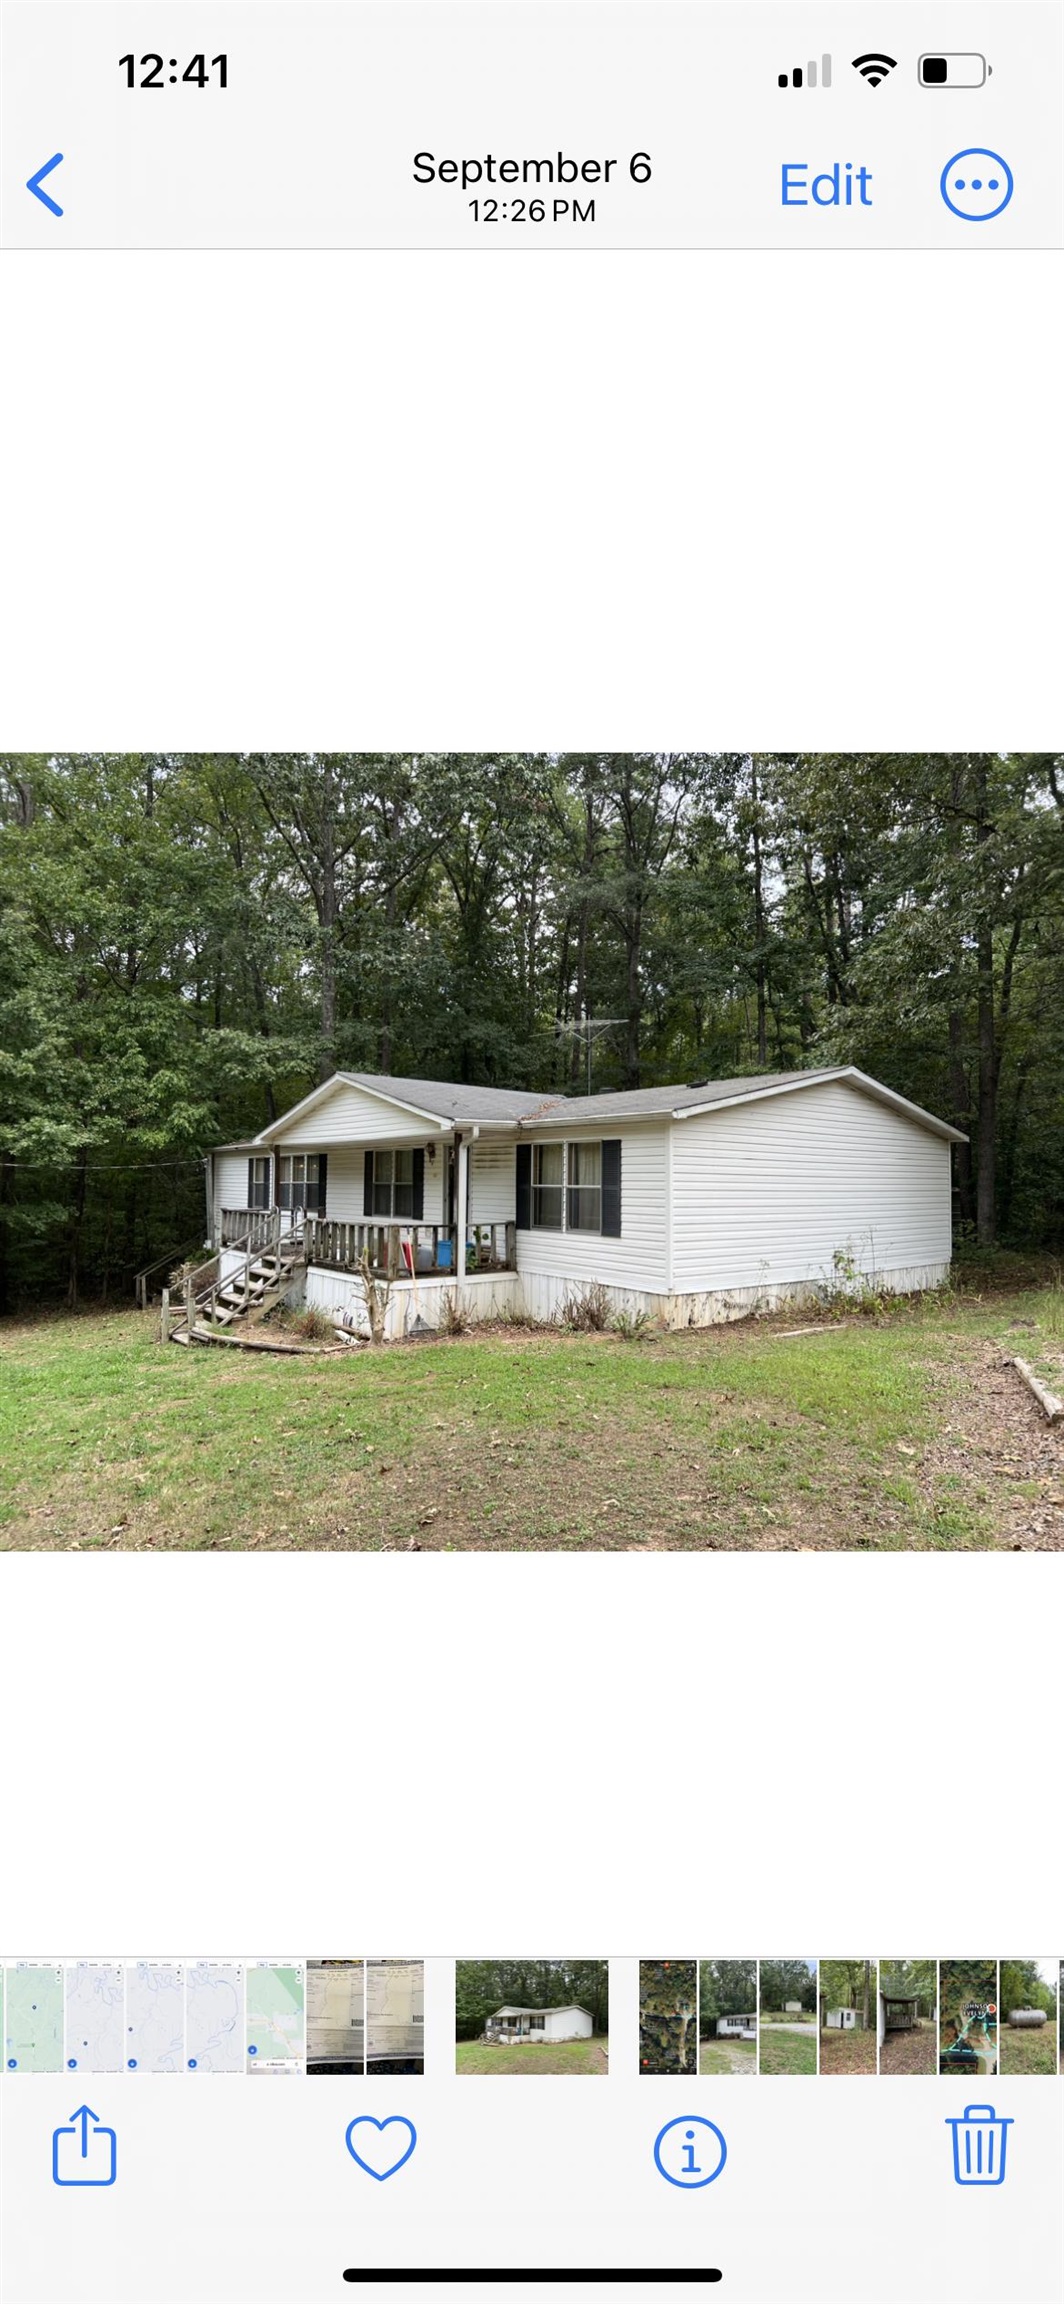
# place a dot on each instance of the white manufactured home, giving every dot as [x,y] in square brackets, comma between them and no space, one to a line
[737,2027]
[688,1204]
[539,2024]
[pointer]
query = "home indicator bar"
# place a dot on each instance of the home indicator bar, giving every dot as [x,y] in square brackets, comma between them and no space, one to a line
[529,2276]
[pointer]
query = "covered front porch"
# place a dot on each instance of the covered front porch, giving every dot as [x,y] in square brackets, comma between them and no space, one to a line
[518,2024]
[402,1251]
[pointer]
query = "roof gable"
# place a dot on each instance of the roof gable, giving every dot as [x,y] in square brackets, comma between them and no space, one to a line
[447,1104]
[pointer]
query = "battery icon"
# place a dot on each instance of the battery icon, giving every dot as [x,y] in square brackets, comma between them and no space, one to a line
[956,70]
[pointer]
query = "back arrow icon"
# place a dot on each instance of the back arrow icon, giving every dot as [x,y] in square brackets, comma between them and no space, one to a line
[35,182]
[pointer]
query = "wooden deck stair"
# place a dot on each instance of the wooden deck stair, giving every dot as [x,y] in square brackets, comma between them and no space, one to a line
[220,1306]
[256,1292]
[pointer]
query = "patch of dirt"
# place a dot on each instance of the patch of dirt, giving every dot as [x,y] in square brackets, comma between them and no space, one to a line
[847,2052]
[995,1442]
[910,2052]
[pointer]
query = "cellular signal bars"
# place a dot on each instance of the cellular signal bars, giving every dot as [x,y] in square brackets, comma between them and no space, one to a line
[807,77]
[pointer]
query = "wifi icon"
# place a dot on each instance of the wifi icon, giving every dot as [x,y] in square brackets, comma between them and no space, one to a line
[874,68]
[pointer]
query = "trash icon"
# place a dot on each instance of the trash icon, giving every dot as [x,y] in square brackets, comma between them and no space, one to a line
[980,2136]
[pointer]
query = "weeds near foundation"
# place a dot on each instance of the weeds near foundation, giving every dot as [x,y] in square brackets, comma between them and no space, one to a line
[587,1310]
[311,1326]
[454,1319]
[629,1325]
[848,1288]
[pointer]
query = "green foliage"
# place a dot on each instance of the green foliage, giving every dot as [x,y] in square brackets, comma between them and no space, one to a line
[725,1988]
[482,1986]
[630,1325]
[785,1980]
[1022,1986]
[189,942]
[911,1980]
[849,1984]
[969,2014]
[668,2016]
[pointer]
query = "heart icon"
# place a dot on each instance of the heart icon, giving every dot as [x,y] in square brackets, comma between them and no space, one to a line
[381,2156]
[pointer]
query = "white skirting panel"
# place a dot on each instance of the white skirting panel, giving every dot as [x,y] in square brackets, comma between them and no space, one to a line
[541,1296]
[481,1295]
[544,1294]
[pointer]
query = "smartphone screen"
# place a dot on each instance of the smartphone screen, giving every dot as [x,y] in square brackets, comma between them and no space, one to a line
[531,1150]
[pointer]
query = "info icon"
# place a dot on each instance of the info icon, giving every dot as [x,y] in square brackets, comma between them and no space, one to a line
[690,2152]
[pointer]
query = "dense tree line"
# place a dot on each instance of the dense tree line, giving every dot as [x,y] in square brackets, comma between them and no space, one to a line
[187,943]
[1023,1986]
[783,1981]
[668,2016]
[725,1988]
[911,1980]
[482,1986]
[849,1984]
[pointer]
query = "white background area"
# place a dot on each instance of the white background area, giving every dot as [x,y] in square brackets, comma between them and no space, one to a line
[455,501]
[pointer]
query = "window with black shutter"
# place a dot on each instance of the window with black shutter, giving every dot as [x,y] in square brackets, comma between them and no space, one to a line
[523,1205]
[611,1187]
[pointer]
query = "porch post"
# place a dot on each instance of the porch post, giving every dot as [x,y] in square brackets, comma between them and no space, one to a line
[461,1206]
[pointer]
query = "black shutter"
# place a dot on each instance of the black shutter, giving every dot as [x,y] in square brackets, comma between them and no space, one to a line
[611,1187]
[419,1184]
[524,1187]
[323,1169]
[251,1184]
[275,1201]
[367,1189]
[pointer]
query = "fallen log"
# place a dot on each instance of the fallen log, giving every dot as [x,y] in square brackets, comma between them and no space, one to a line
[1052,1408]
[781,1334]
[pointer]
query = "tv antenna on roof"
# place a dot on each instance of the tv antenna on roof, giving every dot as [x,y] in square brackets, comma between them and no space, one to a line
[584,1027]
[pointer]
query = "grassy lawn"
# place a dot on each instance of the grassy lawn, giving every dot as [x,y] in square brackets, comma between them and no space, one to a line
[783,2052]
[718,2056]
[555,2056]
[1022,2051]
[900,1433]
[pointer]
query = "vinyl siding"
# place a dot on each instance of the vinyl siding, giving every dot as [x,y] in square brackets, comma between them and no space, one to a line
[345,1184]
[639,1259]
[567,2024]
[766,1194]
[349,1116]
[492,1181]
[231,1180]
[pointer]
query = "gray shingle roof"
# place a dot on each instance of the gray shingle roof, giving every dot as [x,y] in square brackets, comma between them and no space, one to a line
[449,1099]
[628,1103]
[454,1102]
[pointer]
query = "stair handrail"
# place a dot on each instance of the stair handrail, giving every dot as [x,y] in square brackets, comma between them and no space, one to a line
[207,1293]
[173,1257]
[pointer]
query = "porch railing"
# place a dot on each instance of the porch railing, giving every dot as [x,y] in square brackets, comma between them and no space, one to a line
[253,1233]
[254,1228]
[392,1248]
